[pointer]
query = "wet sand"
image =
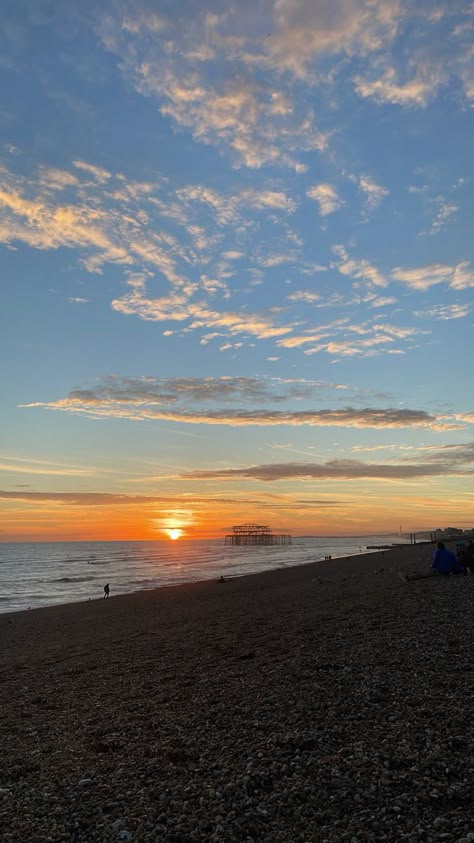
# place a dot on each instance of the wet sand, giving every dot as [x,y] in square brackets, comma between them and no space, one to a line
[325,702]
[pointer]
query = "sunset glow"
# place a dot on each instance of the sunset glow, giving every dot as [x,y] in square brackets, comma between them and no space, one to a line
[174,534]
[236,244]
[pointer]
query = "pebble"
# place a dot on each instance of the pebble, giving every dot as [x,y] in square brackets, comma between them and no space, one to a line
[344,725]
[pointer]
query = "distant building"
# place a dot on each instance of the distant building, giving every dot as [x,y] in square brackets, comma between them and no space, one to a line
[447,533]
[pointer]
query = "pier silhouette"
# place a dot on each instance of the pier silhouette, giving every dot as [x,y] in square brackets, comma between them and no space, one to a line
[255,534]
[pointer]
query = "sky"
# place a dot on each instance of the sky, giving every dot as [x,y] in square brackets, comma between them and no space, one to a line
[237,267]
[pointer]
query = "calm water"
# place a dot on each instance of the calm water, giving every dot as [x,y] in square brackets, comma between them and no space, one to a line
[41,574]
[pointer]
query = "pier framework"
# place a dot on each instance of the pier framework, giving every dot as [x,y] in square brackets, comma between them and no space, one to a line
[255,534]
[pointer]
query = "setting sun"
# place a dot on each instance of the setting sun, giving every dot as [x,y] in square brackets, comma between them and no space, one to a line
[174,534]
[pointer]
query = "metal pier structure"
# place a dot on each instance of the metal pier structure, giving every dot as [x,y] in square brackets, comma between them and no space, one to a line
[250,535]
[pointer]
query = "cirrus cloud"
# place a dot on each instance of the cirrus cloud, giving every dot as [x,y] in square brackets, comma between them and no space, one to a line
[326,197]
[458,277]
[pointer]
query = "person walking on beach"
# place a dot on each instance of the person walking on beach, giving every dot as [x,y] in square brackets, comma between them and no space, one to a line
[444,563]
[106,590]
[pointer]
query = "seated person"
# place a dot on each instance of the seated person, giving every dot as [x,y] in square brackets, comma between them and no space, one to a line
[466,556]
[444,563]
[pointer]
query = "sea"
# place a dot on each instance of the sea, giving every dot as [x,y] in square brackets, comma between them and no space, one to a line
[36,574]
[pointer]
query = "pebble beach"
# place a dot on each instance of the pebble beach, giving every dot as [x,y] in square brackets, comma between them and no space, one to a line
[326,702]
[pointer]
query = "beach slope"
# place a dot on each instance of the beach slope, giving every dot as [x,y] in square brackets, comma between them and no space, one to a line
[329,702]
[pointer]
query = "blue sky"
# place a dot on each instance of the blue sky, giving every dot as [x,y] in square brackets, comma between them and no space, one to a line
[237,267]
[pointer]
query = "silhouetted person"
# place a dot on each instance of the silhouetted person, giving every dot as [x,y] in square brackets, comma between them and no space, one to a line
[106,590]
[466,557]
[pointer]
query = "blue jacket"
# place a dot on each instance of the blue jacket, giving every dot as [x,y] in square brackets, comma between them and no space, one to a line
[444,561]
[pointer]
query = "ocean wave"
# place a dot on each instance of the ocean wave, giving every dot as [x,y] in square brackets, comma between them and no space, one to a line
[68,559]
[29,598]
[142,582]
[74,579]
[100,562]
